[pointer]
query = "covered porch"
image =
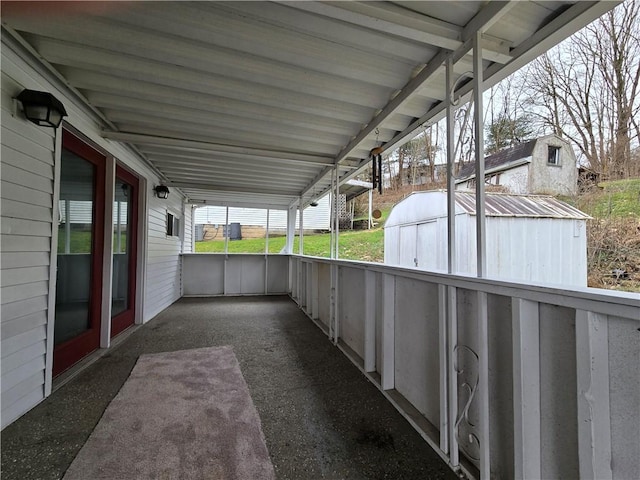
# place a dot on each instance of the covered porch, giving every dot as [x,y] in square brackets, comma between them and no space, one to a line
[321,418]
[171,105]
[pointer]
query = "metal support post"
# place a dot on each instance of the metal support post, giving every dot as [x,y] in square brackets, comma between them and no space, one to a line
[481,248]
[451,200]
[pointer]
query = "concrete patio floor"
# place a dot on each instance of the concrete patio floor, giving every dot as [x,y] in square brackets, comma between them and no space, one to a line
[321,417]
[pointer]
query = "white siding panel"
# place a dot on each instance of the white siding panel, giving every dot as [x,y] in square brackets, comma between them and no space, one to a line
[19,226]
[21,259]
[23,324]
[23,160]
[26,211]
[11,311]
[188,231]
[164,275]
[37,137]
[24,371]
[27,179]
[25,354]
[34,383]
[20,276]
[21,243]
[26,224]
[36,197]
[11,411]
[16,293]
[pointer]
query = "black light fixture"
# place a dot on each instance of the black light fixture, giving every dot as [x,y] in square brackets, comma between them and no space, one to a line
[313,204]
[42,108]
[162,191]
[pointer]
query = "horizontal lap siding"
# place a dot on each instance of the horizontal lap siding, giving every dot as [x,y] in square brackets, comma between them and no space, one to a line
[163,270]
[27,188]
[26,225]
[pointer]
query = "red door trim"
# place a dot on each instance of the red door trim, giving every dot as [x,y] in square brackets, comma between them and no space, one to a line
[70,352]
[125,319]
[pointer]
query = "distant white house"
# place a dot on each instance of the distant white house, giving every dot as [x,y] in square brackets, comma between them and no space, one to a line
[544,166]
[314,218]
[529,238]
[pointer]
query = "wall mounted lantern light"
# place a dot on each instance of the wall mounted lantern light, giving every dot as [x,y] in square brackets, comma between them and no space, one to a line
[162,191]
[42,108]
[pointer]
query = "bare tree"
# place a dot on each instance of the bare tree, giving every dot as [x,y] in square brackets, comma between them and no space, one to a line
[587,90]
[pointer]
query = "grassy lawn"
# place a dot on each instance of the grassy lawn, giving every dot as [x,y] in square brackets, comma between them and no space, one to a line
[620,198]
[366,245]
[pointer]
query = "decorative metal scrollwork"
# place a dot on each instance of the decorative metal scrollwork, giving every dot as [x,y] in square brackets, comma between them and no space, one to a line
[463,419]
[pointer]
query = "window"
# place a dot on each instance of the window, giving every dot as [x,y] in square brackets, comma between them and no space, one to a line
[554,155]
[173,225]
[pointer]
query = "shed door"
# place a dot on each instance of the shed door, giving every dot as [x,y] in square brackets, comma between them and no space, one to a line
[427,247]
[407,246]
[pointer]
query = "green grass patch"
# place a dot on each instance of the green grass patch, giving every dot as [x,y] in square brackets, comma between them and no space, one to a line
[616,199]
[364,245]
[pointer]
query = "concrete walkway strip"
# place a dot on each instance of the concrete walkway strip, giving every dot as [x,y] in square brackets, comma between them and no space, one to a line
[180,415]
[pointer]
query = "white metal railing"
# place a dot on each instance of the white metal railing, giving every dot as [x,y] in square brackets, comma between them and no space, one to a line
[503,380]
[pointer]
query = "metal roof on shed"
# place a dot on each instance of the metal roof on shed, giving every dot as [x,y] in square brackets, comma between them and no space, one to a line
[420,207]
[504,205]
[255,103]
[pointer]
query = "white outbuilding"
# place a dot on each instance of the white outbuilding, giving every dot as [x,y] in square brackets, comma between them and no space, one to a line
[536,239]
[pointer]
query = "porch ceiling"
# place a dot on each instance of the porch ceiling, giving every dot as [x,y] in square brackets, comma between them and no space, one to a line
[255,102]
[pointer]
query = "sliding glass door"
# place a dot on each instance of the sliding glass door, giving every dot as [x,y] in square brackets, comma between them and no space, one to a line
[125,227]
[80,253]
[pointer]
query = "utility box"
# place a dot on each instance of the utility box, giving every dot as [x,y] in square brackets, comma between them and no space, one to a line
[234,231]
[529,238]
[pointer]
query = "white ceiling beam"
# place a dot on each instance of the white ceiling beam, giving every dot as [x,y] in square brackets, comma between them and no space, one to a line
[394,105]
[487,17]
[241,189]
[217,147]
[187,84]
[239,163]
[176,168]
[269,74]
[207,202]
[393,19]
[151,97]
[226,29]
[271,132]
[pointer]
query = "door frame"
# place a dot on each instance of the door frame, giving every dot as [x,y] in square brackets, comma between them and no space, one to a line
[66,354]
[127,319]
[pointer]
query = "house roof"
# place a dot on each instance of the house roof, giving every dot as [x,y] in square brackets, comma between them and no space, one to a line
[502,160]
[257,103]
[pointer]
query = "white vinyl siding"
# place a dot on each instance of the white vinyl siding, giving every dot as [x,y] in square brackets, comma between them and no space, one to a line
[163,256]
[26,225]
[187,244]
